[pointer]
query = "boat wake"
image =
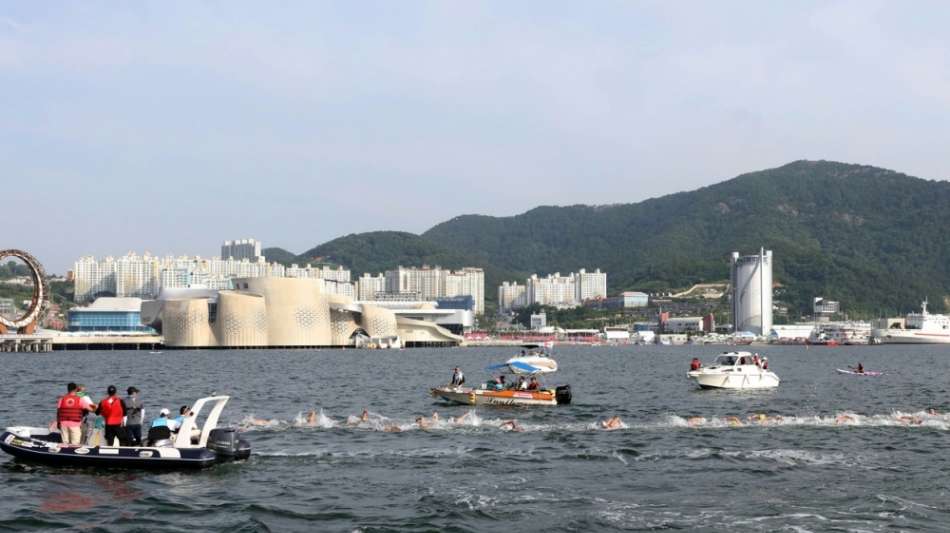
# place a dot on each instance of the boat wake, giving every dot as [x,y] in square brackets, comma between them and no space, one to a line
[472,421]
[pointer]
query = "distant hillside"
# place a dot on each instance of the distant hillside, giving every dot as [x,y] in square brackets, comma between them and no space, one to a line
[279,255]
[875,239]
[378,251]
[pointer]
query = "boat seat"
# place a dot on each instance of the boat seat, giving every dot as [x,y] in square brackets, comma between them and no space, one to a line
[158,435]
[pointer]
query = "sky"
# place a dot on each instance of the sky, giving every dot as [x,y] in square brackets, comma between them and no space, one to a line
[169,126]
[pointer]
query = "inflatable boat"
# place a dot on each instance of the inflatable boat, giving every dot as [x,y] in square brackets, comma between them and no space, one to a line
[189,448]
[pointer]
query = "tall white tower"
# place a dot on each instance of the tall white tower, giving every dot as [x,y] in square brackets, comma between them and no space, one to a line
[751,277]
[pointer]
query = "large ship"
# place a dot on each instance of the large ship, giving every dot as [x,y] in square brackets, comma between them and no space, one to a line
[922,328]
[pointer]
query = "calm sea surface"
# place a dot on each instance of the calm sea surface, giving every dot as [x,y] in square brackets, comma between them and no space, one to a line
[837,452]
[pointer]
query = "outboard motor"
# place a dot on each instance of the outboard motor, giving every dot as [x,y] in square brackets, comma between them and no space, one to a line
[562,394]
[226,444]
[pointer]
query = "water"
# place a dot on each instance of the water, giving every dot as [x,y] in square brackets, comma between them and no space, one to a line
[848,453]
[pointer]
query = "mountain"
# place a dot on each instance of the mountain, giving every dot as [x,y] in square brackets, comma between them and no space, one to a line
[872,238]
[378,251]
[279,255]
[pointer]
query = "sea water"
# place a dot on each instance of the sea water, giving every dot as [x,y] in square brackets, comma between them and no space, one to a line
[822,452]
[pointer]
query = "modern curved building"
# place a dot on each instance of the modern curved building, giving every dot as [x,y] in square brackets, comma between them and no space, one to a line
[751,277]
[283,312]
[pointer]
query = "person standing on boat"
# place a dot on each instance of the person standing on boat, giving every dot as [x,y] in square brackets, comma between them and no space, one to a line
[458,378]
[134,416]
[88,415]
[765,363]
[695,364]
[69,414]
[112,411]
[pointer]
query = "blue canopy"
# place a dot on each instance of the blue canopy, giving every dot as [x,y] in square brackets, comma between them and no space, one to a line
[513,366]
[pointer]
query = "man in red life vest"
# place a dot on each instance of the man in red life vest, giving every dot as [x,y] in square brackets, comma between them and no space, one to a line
[695,364]
[69,413]
[112,410]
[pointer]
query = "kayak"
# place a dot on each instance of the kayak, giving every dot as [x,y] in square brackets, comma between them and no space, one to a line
[870,373]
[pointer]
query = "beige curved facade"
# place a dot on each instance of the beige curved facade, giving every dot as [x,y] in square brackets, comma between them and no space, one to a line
[185,323]
[241,319]
[342,327]
[412,331]
[274,312]
[298,313]
[379,322]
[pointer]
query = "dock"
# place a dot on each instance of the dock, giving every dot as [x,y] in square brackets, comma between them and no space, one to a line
[41,343]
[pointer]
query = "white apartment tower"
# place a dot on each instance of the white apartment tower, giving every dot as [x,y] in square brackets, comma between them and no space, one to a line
[511,296]
[241,249]
[590,285]
[145,276]
[368,286]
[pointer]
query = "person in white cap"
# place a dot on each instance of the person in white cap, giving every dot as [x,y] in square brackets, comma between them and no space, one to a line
[161,428]
[163,421]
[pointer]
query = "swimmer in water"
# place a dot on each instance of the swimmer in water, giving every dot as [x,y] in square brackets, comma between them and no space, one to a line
[422,422]
[694,421]
[910,420]
[458,421]
[611,423]
[759,418]
[260,422]
[510,425]
[311,418]
[392,428]
[734,421]
[364,416]
[844,419]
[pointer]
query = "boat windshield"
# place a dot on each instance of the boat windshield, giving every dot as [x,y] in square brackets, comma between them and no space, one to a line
[726,360]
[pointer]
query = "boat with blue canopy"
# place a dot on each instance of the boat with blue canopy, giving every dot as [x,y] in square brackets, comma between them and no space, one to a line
[522,391]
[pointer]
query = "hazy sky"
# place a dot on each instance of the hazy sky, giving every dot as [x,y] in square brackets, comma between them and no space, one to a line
[170,127]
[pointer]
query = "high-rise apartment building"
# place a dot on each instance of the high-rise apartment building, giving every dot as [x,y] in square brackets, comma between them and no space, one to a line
[511,296]
[435,282]
[368,286]
[242,249]
[590,285]
[553,290]
[144,276]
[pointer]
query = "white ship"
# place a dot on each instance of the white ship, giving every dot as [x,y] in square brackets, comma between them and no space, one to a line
[922,328]
[841,333]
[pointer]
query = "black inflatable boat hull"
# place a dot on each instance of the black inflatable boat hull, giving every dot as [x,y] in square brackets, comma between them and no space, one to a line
[55,454]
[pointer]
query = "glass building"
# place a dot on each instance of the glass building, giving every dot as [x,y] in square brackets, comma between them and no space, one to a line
[109,314]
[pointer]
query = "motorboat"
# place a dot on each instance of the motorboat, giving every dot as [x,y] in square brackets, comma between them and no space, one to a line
[734,370]
[190,448]
[539,362]
[488,394]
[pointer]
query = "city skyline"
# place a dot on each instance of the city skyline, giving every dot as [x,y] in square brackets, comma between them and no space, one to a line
[139,125]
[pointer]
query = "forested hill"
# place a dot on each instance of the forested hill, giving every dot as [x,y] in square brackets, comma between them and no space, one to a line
[876,239]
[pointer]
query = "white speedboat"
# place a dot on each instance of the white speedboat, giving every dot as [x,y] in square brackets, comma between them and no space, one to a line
[922,328]
[734,370]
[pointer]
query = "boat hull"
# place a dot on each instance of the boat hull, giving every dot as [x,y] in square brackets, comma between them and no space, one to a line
[124,457]
[736,380]
[468,396]
[909,336]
